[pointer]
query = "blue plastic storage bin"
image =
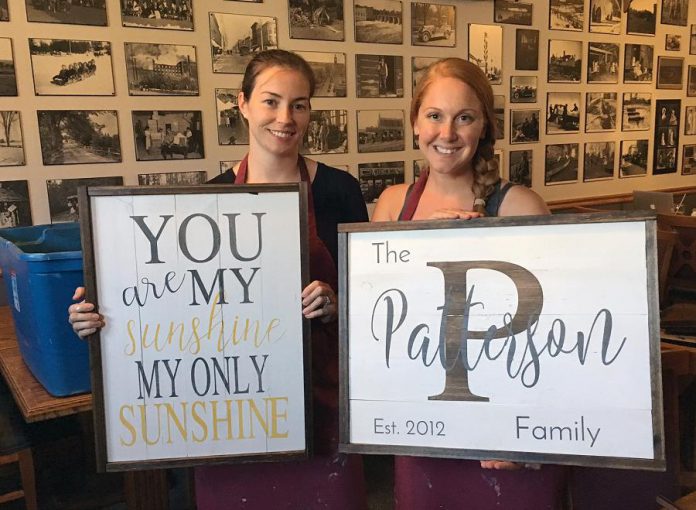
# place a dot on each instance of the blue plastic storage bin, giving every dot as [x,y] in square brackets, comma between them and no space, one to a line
[42,266]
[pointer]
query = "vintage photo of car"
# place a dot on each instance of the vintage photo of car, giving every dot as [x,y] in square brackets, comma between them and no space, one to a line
[638,63]
[73,137]
[380,130]
[514,12]
[561,163]
[190,178]
[602,63]
[11,140]
[231,128]
[374,178]
[675,12]
[62,195]
[379,75]
[418,67]
[73,12]
[563,112]
[567,15]
[636,111]
[161,134]
[236,38]
[526,49]
[174,15]
[321,21]
[641,17]
[15,208]
[433,25]
[605,16]
[670,73]
[521,167]
[634,158]
[600,111]
[524,126]
[327,132]
[565,61]
[486,50]
[523,89]
[329,72]
[599,161]
[378,21]
[8,79]
[161,69]
[64,67]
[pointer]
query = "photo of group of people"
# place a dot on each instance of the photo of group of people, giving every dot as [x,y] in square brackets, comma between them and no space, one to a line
[666,142]
[169,14]
[167,135]
[327,132]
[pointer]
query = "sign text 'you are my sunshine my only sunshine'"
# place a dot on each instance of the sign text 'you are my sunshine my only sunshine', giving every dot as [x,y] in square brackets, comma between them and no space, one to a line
[202,353]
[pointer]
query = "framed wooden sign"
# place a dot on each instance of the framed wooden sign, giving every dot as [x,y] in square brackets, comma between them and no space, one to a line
[204,356]
[529,339]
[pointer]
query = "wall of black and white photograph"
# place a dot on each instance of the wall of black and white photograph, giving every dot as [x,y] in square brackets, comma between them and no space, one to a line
[15,207]
[376,177]
[8,79]
[600,112]
[380,130]
[329,72]
[235,38]
[171,15]
[636,111]
[64,67]
[638,63]
[634,158]
[524,126]
[521,164]
[160,134]
[173,178]
[515,12]
[565,61]
[486,50]
[77,12]
[327,132]
[11,142]
[599,161]
[433,25]
[561,163]
[379,75]
[602,63]
[161,69]
[523,89]
[231,127]
[641,17]
[62,195]
[378,21]
[70,137]
[321,20]
[567,15]
[563,110]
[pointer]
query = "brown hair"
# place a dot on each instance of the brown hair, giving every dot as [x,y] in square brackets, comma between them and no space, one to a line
[486,172]
[272,58]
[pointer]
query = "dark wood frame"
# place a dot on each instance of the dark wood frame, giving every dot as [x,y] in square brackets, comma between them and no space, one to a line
[658,463]
[86,193]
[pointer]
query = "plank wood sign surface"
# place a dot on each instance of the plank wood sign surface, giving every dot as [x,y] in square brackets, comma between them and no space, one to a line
[525,339]
[204,356]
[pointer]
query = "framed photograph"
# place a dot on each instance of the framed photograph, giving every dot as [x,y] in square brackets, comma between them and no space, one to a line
[561,163]
[690,120]
[675,12]
[636,111]
[523,89]
[169,16]
[161,69]
[562,112]
[231,128]
[71,68]
[75,137]
[62,196]
[327,132]
[380,130]
[689,160]
[321,22]
[673,42]
[638,63]
[524,126]
[515,12]
[418,166]
[641,17]
[691,81]
[8,78]
[378,21]
[670,72]
[600,112]
[602,63]
[599,161]
[567,15]
[526,49]
[565,61]
[692,40]
[433,25]
[605,16]
[11,140]
[15,209]
[498,155]
[634,158]
[191,178]
[4,12]
[486,50]
[329,72]
[521,164]
[70,13]
[121,251]
[227,165]
[160,134]
[374,178]
[499,112]
[379,75]
[234,38]
[418,67]
[666,142]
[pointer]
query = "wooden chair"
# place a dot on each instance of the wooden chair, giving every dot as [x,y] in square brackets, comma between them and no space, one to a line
[15,447]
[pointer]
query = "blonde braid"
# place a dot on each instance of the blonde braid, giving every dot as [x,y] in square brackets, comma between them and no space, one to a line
[486,175]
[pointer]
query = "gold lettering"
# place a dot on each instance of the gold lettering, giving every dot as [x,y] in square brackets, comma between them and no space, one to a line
[276,415]
[199,420]
[127,424]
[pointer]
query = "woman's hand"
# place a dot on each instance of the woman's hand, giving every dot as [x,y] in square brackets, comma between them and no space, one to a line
[501,464]
[85,321]
[319,300]
[453,214]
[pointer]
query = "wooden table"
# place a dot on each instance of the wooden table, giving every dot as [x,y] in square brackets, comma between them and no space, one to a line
[144,490]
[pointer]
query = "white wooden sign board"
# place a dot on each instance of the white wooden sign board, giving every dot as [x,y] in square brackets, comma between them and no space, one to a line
[202,357]
[570,371]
